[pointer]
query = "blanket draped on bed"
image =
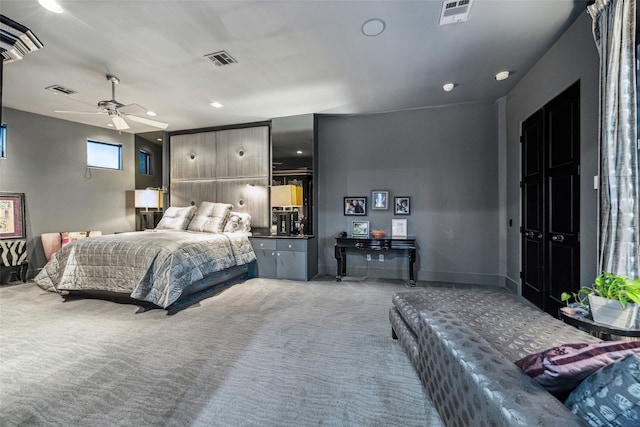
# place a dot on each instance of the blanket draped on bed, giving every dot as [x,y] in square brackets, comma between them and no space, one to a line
[154,266]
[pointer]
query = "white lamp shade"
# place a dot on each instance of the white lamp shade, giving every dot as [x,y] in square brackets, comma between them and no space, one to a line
[148,199]
[286,195]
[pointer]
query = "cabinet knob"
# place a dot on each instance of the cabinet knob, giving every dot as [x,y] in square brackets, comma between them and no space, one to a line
[261,244]
[290,246]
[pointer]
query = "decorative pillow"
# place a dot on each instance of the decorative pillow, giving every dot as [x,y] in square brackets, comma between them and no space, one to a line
[176,218]
[238,222]
[210,217]
[67,237]
[611,395]
[560,369]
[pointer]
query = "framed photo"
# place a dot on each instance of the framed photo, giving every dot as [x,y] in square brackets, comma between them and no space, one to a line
[379,200]
[355,205]
[402,205]
[12,225]
[360,228]
[399,228]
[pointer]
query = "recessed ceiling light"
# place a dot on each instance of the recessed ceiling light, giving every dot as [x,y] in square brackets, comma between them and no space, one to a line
[159,139]
[502,75]
[299,152]
[373,27]
[151,113]
[216,104]
[51,5]
[448,87]
[110,125]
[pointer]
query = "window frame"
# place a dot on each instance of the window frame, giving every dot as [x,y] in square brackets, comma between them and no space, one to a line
[148,162]
[3,141]
[108,144]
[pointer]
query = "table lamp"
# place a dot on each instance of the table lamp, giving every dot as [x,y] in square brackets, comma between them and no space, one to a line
[146,199]
[286,197]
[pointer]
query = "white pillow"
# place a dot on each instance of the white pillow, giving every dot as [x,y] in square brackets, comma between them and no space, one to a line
[210,217]
[175,218]
[238,222]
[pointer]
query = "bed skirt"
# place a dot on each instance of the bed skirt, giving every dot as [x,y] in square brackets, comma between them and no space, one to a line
[192,294]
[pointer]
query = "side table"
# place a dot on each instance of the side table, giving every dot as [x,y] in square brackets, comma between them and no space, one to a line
[13,253]
[599,330]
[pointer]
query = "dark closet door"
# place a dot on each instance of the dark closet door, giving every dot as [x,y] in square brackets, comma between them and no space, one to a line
[551,201]
[562,123]
[533,208]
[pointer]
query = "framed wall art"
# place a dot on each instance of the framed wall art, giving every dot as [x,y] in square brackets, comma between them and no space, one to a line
[12,224]
[360,228]
[399,228]
[379,200]
[355,205]
[402,205]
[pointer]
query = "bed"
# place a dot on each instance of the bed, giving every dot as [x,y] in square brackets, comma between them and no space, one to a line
[189,253]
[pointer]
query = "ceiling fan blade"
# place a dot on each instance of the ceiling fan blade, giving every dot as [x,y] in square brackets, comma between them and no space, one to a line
[149,122]
[119,122]
[78,112]
[133,109]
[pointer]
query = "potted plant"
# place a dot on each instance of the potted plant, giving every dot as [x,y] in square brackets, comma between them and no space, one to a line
[613,300]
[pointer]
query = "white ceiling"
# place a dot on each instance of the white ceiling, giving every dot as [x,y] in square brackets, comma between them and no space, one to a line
[294,57]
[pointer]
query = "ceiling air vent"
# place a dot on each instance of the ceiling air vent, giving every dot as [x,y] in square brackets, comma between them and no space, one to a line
[221,58]
[61,89]
[454,11]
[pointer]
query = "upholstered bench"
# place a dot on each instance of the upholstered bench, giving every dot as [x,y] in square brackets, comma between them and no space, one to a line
[464,342]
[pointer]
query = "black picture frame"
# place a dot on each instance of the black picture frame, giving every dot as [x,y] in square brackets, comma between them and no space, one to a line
[355,206]
[12,223]
[402,205]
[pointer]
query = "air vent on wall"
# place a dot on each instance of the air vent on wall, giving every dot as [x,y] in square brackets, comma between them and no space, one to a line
[454,11]
[221,58]
[60,89]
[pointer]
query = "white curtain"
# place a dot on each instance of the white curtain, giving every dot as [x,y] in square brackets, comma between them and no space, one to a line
[614,32]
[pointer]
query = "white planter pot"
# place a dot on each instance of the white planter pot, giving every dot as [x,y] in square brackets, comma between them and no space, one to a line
[610,312]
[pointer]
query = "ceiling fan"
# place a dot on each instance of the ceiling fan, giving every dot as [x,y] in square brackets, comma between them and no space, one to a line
[119,112]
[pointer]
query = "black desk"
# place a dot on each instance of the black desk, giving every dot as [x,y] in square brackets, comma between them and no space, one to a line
[597,329]
[401,244]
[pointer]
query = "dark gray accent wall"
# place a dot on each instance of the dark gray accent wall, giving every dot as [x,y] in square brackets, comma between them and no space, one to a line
[445,159]
[46,160]
[573,57]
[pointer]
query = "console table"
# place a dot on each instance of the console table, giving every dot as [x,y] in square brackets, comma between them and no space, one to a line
[398,244]
[599,330]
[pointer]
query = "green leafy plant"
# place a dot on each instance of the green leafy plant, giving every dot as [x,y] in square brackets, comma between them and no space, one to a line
[607,286]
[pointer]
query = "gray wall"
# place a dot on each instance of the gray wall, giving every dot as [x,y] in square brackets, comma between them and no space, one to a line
[445,159]
[46,160]
[573,57]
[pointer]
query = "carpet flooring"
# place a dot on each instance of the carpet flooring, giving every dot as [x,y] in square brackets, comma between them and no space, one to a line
[260,353]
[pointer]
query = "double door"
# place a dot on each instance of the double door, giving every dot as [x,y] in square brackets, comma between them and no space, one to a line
[551,201]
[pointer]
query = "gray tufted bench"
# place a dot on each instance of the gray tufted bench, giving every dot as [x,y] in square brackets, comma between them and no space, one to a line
[463,343]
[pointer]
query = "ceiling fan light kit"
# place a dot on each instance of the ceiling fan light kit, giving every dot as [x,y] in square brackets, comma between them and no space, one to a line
[118,112]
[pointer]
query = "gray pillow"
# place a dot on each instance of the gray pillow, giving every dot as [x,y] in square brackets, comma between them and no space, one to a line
[238,222]
[610,396]
[176,218]
[210,217]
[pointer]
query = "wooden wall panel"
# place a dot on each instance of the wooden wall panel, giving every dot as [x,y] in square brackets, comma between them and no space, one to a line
[186,192]
[228,166]
[243,152]
[193,156]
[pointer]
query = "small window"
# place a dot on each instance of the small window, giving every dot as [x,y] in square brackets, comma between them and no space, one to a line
[145,163]
[104,155]
[3,141]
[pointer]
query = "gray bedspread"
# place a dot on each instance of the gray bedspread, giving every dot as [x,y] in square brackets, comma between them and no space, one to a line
[154,266]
